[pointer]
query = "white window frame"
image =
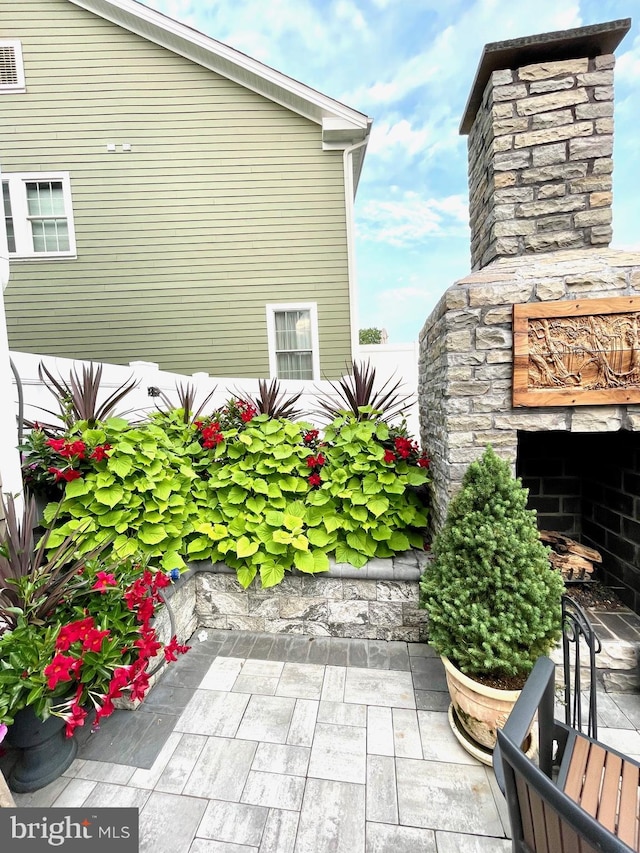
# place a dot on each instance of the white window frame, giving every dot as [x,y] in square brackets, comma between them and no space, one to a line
[20,214]
[272,310]
[20,85]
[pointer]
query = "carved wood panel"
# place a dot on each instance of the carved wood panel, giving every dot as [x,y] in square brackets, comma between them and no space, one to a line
[579,352]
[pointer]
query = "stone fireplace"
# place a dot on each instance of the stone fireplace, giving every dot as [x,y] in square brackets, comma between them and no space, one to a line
[540,135]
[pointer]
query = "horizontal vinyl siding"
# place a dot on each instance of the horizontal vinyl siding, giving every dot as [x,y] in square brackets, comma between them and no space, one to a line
[226,202]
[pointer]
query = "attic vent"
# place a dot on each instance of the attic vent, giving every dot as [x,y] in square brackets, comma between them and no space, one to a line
[11,70]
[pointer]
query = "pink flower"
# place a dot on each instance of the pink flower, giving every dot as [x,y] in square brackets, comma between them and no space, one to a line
[104,581]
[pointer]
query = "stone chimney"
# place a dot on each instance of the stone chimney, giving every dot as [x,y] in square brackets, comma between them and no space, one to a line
[540,126]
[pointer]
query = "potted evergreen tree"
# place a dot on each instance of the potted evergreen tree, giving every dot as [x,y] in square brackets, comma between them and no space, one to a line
[493,600]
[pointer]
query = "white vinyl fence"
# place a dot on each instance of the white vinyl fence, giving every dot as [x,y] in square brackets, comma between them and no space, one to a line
[39,404]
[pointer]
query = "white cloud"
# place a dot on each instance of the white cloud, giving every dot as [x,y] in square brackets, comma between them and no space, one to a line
[412,220]
[349,13]
[386,138]
[628,65]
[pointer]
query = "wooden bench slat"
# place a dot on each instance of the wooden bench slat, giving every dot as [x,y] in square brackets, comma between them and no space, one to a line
[628,815]
[608,807]
[576,769]
[590,797]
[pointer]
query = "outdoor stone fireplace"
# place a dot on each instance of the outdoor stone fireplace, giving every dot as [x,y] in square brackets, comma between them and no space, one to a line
[537,351]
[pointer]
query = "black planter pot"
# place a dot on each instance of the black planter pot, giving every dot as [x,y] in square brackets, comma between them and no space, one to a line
[45,752]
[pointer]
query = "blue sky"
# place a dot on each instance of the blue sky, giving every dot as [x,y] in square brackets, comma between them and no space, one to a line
[409,64]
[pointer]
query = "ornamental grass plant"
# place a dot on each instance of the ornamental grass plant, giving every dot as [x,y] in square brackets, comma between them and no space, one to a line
[492,598]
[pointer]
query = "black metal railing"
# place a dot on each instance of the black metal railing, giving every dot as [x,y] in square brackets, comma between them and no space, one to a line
[579,640]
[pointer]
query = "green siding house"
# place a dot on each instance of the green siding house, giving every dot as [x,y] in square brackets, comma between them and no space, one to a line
[169,199]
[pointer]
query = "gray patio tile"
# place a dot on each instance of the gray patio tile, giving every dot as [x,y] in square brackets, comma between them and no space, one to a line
[244,644]
[45,796]
[185,674]
[629,704]
[299,650]
[428,674]
[319,648]
[267,718]
[382,799]
[221,769]
[398,656]
[385,838]
[105,771]
[499,800]
[421,650]
[205,845]
[168,823]
[624,740]
[379,687]
[263,668]
[274,790]
[175,774]
[609,712]
[280,832]
[280,648]
[213,713]
[342,713]
[303,722]
[222,673]
[333,684]
[262,647]
[147,778]
[258,684]
[106,795]
[167,699]
[406,734]
[301,680]
[456,842]
[432,700]
[227,649]
[129,738]
[438,741]
[282,758]
[453,797]
[338,651]
[339,753]
[332,818]
[377,655]
[75,793]
[357,654]
[74,767]
[235,822]
[379,731]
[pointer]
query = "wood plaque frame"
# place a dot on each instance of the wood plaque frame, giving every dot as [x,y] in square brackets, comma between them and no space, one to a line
[582,352]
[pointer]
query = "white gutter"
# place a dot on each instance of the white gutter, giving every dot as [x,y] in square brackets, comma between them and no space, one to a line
[10,474]
[349,191]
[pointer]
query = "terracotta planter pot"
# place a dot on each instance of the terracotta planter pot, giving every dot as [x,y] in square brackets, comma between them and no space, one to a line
[45,751]
[480,710]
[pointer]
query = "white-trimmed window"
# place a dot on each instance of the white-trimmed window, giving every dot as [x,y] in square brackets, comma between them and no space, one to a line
[292,333]
[11,67]
[38,215]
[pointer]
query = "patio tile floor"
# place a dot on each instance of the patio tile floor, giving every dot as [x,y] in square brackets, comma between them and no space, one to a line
[258,744]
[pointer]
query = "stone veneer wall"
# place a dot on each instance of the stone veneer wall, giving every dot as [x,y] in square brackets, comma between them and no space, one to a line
[466,372]
[540,159]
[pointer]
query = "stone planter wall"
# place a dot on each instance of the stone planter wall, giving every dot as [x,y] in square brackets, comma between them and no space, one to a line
[379,601]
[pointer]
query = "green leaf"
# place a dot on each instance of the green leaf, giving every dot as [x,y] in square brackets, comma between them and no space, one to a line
[172,560]
[378,506]
[318,537]
[381,532]
[256,504]
[151,534]
[303,560]
[300,542]
[76,488]
[416,478]
[109,496]
[271,573]
[236,495]
[274,518]
[198,545]
[245,439]
[245,547]
[361,541]
[246,574]
[127,549]
[344,554]
[398,541]
[120,465]
[358,512]
[282,536]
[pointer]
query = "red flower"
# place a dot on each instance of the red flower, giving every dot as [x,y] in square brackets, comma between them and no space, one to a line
[160,581]
[140,686]
[389,456]
[320,460]
[57,444]
[424,462]
[310,436]
[61,668]
[59,475]
[77,448]
[119,681]
[148,645]
[73,632]
[71,474]
[77,718]
[311,461]
[104,581]
[93,640]
[315,480]
[100,452]
[174,648]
